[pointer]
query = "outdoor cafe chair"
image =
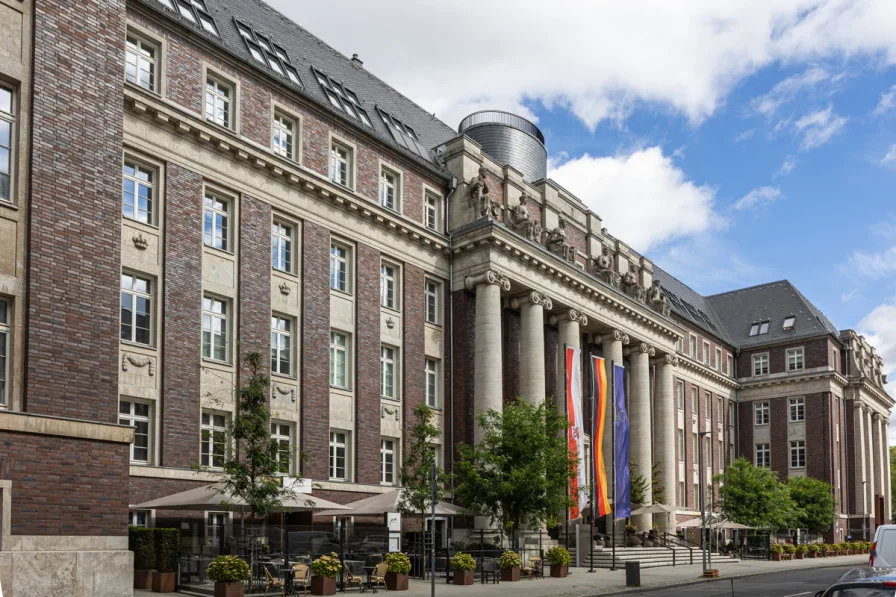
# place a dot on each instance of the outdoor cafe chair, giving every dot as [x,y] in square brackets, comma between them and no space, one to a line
[300,576]
[351,579]
[379,576]
[533,569]
[273,582]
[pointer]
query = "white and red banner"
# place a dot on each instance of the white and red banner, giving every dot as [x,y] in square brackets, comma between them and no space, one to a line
[578,490]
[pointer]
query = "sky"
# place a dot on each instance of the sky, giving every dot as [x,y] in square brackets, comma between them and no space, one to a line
[733,143]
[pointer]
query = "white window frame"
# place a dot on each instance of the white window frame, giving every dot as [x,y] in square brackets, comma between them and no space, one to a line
[131,419]
[721,408]
[695,400]
[210,315]
[134,296]
[798,454]
[5,335]
[692,346]
[679,345]
[729,363]
[218,211]
[388,460]
[388,372]
[681,444]
[761,413]
[390,188]
[390,286]
[432,292]
[147,181]
[432,211]
[706,348]
[282,243]
[340,267]
[282,334]
[679,394]
[335,348]
[10,119]
[707,405]
[342,159]
[798,356]
[431,383]
[764,326]
[284,135]
[695,447]
[219,105]
[136,46]
[133,518]
[217,424]
[718,359]
[796,409]
[791,319]
[835,356]
[758,359]
[279,437]
[339,441]
[762,455]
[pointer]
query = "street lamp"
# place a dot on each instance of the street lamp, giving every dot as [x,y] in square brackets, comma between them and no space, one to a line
[702,473]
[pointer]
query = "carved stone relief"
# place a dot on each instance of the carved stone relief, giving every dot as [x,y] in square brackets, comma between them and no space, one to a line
[140,241]
[520,221]
[388,411]
[128,360]
[555,241]
[284,391]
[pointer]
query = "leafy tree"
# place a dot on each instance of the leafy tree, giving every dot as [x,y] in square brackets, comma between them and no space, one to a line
[519,471]
[416,474]
[639,484]
[814,502]
[755,497]
[659,491]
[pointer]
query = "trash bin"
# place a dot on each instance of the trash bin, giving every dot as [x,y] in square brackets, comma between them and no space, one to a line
[633,574]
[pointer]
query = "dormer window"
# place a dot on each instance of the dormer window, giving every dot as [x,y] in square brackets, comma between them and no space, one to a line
[788,322]
[760,327]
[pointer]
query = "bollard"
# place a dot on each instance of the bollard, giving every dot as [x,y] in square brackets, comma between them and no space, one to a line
[633,574]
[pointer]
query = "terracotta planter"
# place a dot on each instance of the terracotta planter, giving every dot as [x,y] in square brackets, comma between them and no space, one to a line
[229,589]
[800,555]
[632,541]
[813,554]
[510,574]
[322,585]
[777,557]
[396,582]
[143,579]
[559,571]
[463,577]
[164,582]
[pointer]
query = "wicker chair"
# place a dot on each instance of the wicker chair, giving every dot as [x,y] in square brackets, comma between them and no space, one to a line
[351,579]
[301,577]
[533,570]
[273,582]
[379,576]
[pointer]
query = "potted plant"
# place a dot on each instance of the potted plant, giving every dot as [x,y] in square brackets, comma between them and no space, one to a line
[631,539]
[812,550]
[558,557]
[228,572]
[167,544]
[789,550]
[325,570]
[777,552]
[398,566]
[463,565]
[140,541]
[801,551]
[510,564]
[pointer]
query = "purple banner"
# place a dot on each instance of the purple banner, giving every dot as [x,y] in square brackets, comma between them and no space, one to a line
[623,505]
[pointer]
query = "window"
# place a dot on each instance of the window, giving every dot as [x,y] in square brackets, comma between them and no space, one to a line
[136,415]
[218,102]
[679,344]
[6,130]
[216,231]
[284,136]
[763,327]
[341,165]
[692,346]
[138,194]
[707,452]
[760,364]
[387,372]
[682,498]
[214,439]
[339,266]
[694,406]
[281,435]
[136,313]
[342,98]
[214,328]
[281,345]
[138,518]
[835,359]
[797,409]
[759,327]
[390,188]
[281,247]
[795,359]
[788,322]
[707,405]
[388,277]
[140,62]
[338,447]
[4,348]
[721,410]
[730,369]
[706,353]
[679,392]
[695,448]
[760,413]
[798,454]
[696,493]
[194,10]
[432,383]
[718,363]
[432,209]
[338,360]
[387,461]
[431,296]
[681,445]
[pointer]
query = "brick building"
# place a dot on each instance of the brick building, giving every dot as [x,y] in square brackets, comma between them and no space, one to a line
[182,182]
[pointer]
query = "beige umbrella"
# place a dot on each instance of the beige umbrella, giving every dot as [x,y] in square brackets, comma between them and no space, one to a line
[388,502]
[655,509]
[211,496]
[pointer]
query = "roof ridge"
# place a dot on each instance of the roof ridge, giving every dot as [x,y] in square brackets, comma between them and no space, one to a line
[753,287]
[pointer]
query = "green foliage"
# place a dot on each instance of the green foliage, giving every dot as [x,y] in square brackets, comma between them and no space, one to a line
[167,544]
[802,548]
[328,566]
[789,548]
[814,502]
[518,473]
[227,569]
[631,529]
[639,484]
[658,491]
[754,497]
[463,561]
[558,556]
[814,548]
[510,559]
[416,472]
[141,541]
[398,563]
[777,548]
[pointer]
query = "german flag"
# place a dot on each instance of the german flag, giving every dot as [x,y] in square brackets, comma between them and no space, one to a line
[599,375]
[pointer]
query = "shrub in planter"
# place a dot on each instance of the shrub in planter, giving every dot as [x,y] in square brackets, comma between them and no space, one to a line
[167,545]
[398,566]
[463,565]
[801,551]
[141,542]
[777,552]
[789,550]
[325,570]
[510,564]
[558,557]
[228,572]
[812,549]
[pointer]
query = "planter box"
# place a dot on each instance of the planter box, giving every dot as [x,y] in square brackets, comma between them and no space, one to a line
[777,557]
[813,554]
[164,582]
[510,574]
[396,582]
[800,555]
[463,577]
[143,579]
[229,589]
[711,573]
[322,585]
[559,571]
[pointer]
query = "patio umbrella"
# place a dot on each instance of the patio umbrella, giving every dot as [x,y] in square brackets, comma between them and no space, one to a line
[388,502]
[655,509]
[210,497]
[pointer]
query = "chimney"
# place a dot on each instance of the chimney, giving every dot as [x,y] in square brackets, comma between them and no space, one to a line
[357,61]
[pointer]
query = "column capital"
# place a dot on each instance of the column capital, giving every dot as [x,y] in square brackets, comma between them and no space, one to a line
[877,416]
[534,297]
[487,277]
[613,336]
[858,405]
[643,348]
[667,359]
[570,315]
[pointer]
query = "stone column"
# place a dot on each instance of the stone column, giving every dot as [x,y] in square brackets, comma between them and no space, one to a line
[862,504]
[568,333]
[487,381]
[880,481]
[664,429]
[640,439]
[885,454]
[612,342]
[870,462]
[532,376]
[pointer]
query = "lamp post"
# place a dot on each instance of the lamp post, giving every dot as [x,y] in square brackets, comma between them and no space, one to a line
[702,474]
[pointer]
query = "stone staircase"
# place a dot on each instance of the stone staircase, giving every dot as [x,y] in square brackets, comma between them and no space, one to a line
[650,557]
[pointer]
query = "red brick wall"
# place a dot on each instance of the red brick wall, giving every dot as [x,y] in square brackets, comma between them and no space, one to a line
[66,486]
[183,312]
[819,441]
[551,362]
[367,379]
[315,341]
[255,282]
[745,431]
[534,210]
[464,365]
[816,353]
[75,210]
[414,353]
[780,445]
[510,353]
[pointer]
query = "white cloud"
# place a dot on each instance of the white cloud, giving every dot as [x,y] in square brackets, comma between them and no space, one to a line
[643,197]
[758,198]
[879,328]
[787,167]
[845,297]
[890,156]
[873,265]
[600,60]
[787,90]
[887,101]
[818,127]
[686,259]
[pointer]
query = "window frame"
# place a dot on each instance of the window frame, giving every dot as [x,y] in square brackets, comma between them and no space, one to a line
[389,357]
[692,346]
[432,298]
[278,334]
[5,344]
[132,417]
[695,447]
[346,349]
[212,427]
[388,455]
[706,348]
[348,262]
[428,194]
[695,401]
[154,186]
[681,444]
[798,450]
[755,357]
[294,154]
[431,374]
[221,82]
[707,405]
[792,320]
[397,187]
[349,161]
[796,409]
[718,355]
[385,278]
[11,118]
[135,294]
[801,352]
[226,315]
[278,437]
[333,463]
[278,239]
[229,214]
[729,363]
[679,394]
[761,413]
[159,45]
[835,357]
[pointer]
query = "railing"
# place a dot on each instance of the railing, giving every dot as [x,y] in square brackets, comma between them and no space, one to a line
[680,542]
[499,117]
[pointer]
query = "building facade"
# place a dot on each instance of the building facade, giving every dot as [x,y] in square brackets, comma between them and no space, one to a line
[185,182]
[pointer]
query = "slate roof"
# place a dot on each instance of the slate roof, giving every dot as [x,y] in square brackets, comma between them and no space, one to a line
[690,305]
[305,51]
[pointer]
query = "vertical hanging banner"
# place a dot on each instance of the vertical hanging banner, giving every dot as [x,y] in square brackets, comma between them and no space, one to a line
[623,504]
[599,415]
[578,490]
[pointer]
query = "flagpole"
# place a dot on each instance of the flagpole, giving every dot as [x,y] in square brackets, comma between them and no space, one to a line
[593,459]
[612,385]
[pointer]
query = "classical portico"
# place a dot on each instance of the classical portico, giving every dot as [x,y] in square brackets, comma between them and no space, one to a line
[532,306]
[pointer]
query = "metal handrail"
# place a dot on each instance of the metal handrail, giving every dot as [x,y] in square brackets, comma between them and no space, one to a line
[500,117]
[672,539]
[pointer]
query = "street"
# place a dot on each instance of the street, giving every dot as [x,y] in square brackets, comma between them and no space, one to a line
[802,583]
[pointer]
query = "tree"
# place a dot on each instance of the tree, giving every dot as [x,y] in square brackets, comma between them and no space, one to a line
[755,497]
[638,484]
[814,502]
[659,491]
[519,472]
[416,474]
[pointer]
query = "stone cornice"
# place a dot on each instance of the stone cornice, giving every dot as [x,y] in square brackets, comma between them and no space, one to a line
[707,373]
[764,382]
[17,422]
[863,384]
